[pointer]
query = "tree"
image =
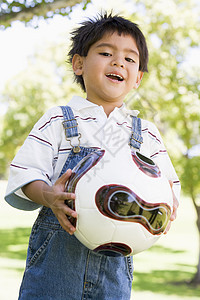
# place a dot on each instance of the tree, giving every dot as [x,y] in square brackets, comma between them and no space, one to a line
[44,84]
[25,11]
[170,94]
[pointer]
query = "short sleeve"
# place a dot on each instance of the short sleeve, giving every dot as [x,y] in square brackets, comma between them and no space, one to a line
[159,155]
[35,159]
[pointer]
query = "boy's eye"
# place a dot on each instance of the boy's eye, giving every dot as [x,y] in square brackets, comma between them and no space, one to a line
[129,59]
[105,54]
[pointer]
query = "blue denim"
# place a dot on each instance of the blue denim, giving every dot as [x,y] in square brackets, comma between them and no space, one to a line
[59,267]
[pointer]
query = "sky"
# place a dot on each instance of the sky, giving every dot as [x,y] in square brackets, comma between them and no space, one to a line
[18,42]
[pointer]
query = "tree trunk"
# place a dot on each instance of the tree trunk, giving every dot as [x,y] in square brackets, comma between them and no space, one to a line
[196,279]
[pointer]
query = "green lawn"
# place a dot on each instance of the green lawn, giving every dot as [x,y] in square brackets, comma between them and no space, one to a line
[160,273]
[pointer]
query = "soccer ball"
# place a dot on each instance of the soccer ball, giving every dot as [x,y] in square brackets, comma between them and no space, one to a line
[123,201]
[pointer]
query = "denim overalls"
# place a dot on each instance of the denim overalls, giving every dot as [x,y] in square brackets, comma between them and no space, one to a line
[58,266]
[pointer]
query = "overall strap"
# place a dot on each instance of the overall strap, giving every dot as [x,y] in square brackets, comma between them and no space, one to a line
[136,138]
[70,126]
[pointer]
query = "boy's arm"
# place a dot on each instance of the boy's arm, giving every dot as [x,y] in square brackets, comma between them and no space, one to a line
[160,156]
[175,207]
[53,197]
[37,159]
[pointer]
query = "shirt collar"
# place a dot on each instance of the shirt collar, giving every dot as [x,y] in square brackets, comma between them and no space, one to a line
[127,111]
[79,103]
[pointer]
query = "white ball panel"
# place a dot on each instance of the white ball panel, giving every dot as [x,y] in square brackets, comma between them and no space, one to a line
[132,234]
[93,225]
[84,240]
[95,229]
[86,191]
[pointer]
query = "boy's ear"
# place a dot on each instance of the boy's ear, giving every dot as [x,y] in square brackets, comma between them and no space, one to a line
[139,78]
[77,64]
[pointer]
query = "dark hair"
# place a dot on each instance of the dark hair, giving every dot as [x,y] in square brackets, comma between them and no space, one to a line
[93,30]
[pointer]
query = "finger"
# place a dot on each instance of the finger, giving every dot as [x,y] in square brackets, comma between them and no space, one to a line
[176,203]
[69,212]
[62,179]
[174,213]
[173,216]
[66,224]
[59,201]
[171,183]
[65,196]
[69,196]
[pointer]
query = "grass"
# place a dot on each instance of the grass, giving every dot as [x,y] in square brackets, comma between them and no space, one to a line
[15,227]
[165,271]
[14,243]
[161,273]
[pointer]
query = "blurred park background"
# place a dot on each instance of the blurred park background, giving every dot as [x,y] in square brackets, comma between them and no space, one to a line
[34,76]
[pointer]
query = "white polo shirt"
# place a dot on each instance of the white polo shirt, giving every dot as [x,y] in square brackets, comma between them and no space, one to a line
[46,149]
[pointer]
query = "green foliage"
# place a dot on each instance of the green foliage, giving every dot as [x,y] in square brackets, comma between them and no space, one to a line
[45,83]
[190,177]
[27,11]
[170,94]
[171,28]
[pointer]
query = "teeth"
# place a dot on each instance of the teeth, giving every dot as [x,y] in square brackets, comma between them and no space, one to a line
[116,76]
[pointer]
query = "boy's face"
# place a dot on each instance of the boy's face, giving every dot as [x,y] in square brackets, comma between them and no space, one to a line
[110,70]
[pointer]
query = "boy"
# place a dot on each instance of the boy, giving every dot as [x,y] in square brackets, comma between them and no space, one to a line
[109,56]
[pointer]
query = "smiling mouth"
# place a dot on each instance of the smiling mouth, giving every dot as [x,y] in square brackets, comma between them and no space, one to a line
[115,77]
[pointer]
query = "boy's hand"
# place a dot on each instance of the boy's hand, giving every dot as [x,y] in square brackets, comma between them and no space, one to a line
[53,197]
[56,196]
[175,207]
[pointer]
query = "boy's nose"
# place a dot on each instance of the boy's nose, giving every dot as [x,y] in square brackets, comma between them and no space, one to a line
[118,63]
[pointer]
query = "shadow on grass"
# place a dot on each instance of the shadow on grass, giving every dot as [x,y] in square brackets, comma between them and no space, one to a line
[170,279]
[169,282]
[159,249]
[14,242]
